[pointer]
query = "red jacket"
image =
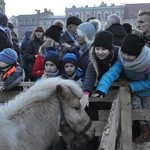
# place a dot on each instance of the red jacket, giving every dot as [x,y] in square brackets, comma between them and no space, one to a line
[38,68]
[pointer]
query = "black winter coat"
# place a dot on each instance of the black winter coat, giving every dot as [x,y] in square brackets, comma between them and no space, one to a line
[118,32]
[29,55]
[4,41]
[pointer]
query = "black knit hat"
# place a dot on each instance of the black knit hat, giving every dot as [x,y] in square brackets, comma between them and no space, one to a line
[3,19]
[73,20]
[53,57]
[103,39]
[127,27]
[132,45]
[54,32]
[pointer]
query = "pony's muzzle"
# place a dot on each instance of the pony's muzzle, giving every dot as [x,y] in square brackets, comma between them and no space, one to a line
[90,134]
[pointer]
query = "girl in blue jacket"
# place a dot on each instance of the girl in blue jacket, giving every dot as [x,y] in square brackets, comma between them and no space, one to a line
[133,59]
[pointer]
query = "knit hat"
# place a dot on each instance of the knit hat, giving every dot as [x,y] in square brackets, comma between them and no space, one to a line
[53,57]
[8,56]
[54,32]
[3,19]
[88,29]
[69,58]
[73,20]
[127,27]
[103,39]
[132,45]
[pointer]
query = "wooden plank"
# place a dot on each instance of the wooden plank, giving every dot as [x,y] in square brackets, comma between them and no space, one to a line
[99,127]
[108,140]
[26,84]
[126,123]
[140,114]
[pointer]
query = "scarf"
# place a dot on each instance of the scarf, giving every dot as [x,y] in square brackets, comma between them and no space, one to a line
[50,74]
[140,64]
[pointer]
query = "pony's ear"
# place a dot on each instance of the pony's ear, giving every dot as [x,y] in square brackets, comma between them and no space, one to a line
[61,91]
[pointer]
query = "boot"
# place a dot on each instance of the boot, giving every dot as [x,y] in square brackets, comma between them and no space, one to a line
[145,134]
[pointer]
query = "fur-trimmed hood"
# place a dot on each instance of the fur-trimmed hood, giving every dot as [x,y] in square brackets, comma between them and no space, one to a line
[93,60]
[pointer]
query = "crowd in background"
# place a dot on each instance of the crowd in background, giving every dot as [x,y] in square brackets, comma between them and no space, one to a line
[83,52]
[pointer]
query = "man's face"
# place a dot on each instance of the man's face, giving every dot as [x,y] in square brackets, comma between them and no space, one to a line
[143,24]
[72,29]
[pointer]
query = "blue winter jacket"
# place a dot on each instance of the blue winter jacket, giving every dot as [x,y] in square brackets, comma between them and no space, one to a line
[140,81]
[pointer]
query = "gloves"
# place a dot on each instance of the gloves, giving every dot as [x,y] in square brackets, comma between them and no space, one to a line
[98,94]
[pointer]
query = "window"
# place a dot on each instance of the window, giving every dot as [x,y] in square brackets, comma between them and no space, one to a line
[99,16]
[88,15]
[106,14]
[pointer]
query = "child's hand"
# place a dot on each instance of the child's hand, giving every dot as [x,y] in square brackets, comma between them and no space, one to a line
[98,94]
[84,101]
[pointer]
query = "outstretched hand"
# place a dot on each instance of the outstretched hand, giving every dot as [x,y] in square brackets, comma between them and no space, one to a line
[84,101]
[98,94]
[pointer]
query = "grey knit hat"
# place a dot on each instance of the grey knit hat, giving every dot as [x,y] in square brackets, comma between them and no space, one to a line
[88,29]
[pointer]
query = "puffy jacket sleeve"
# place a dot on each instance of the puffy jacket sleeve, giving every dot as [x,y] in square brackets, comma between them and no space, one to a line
[109,77]
[137,86]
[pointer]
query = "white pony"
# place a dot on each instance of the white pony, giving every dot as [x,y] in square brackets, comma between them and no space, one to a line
[32,120]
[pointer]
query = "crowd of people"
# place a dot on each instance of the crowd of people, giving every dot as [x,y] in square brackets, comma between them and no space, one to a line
[83,52]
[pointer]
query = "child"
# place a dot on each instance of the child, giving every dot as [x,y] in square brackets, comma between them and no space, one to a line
[102,56]
[134,60]
[11,74]
[70,69]
[51,65]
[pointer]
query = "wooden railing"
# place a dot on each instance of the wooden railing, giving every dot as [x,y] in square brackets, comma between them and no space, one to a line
[114,126]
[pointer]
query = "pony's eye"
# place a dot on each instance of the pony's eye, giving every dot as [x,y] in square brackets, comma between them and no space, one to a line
[77,108]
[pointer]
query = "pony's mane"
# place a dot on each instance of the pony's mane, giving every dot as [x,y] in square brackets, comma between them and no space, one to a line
[40,90]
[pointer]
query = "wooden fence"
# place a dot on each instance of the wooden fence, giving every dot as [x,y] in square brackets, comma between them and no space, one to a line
[114,126]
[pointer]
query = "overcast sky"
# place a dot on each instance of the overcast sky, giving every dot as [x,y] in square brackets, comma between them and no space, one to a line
[20,7]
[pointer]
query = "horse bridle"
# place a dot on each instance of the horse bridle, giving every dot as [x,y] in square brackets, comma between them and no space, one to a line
[64,123]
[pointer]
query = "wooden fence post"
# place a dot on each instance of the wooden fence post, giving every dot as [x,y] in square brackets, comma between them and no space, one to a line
[126,120]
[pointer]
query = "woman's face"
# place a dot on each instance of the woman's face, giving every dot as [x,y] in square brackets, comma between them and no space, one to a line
[101,52]
[80,39]
[48,41]
[39,34]
[127,57]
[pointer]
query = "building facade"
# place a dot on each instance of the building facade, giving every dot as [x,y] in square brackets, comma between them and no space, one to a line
[127,12]
[101,12]
[2,6]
